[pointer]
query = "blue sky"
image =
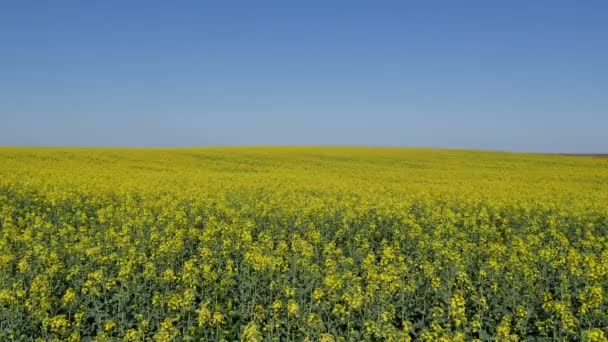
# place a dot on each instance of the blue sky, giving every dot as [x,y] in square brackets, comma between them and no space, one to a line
[510,75]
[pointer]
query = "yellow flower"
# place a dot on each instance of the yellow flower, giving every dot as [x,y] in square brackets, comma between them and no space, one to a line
[57,324]
[292,308]
[591,298]
[204,315]
[169,275]
[317,295]
[23,266]
[251,333]
[595,335]
[109,326]
[327,338]
[217,319]
[277,306]
[289,291]
[132,335]
[68,297]
[74,337]
[457,309]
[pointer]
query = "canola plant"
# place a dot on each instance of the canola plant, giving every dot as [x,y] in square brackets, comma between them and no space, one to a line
[301,243]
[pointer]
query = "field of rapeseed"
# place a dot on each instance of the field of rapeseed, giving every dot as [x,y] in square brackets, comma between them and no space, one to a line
[318,244]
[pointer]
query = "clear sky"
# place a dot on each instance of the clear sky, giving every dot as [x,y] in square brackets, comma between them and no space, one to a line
[508,75]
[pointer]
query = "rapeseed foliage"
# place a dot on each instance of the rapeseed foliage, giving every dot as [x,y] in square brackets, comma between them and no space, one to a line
[314,244]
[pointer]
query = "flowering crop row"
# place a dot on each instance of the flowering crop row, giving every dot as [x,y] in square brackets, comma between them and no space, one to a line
[319,244]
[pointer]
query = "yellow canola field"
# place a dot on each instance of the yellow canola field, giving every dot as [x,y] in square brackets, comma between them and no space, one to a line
[301,243]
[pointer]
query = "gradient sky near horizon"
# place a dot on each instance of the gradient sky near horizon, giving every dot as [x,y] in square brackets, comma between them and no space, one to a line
[509,75]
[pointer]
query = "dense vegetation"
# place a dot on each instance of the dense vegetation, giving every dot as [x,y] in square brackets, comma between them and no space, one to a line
[301,243]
